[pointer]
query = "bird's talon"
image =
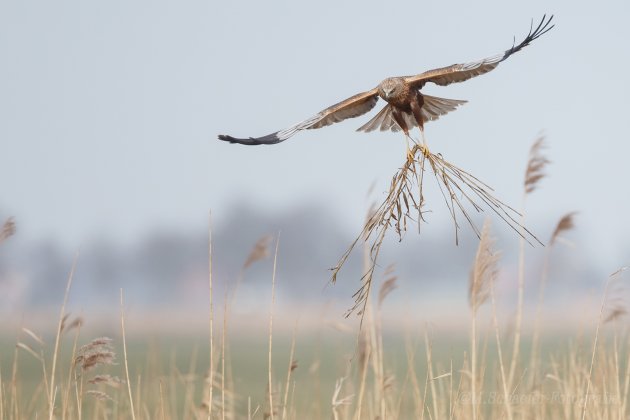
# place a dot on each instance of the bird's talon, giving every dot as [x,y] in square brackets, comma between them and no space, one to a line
[425,151]
[410,155]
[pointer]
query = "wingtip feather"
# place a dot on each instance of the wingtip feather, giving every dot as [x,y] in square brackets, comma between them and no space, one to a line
[534,33]
[251,141]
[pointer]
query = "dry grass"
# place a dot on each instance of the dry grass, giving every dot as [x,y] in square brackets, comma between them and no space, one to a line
[463,193]
[259,252]
[8,229]
[565,224]
[589,378]
[534,173]
[482,277]
[582,381]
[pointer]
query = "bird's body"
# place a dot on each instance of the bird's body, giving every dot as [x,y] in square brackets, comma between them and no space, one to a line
[406,106]
[397,93]
[403,100]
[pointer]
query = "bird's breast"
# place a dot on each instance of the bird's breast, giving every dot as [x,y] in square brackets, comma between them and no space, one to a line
[402,100]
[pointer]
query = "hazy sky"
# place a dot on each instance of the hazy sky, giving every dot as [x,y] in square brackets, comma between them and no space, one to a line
[110,110]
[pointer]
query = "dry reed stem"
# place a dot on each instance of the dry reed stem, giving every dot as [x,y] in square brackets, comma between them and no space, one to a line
[29,350]
[626,385]
[162,409]
[225,310]
[425,407]
[369,345]
[534,173]
[259,252]
[230,384]
[77,324]
[138,402]
[482,276]
[613,277]
[273,299]
[428,344]
[565,224]
[78,393]
[378,368]
[293,412]
[417,398]
[504,384]
[1,395]
[338,400]
[14,407]
[473,367]
[34,336]
[189,384]
[211,372]
[365,345]
[616,369]
[451,407]
[403,205]
[363,374]
[292,366]
[387,286]
[519,306]
[122,326]
[51,396]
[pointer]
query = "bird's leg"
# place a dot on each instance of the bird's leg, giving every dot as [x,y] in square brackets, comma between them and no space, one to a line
[416,109]
[396,114]
[425,147]
[410,153]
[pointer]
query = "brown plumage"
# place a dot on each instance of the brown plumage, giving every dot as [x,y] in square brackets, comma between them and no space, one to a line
[406,106]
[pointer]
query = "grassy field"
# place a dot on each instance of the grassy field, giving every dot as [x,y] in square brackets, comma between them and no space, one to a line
[499,367]
[324,373]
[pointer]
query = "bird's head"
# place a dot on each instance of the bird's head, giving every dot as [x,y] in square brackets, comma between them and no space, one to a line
[389,87]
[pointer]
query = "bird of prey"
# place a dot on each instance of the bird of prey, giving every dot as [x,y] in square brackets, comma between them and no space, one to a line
[406,106]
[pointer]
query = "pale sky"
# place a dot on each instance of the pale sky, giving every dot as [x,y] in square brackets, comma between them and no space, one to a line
[110,110]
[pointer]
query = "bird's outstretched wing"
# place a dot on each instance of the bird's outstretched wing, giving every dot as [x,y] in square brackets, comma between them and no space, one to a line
[352,107]
[460,72]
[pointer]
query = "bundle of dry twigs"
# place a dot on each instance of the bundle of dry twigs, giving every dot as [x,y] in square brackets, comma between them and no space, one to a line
[404,203]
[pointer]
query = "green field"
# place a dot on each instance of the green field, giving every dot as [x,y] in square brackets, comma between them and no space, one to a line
[389,374]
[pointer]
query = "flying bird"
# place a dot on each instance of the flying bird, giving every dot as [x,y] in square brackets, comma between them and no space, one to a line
[406,106]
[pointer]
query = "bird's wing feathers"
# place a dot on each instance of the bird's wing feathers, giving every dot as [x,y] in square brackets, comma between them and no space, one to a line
[383,121]
[432,109]
[460,72]
[435,107]
[352,107]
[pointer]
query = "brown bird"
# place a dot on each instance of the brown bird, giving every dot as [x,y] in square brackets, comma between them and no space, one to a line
[406,106]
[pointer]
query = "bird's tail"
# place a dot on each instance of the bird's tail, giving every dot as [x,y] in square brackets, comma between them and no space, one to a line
[431,110]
